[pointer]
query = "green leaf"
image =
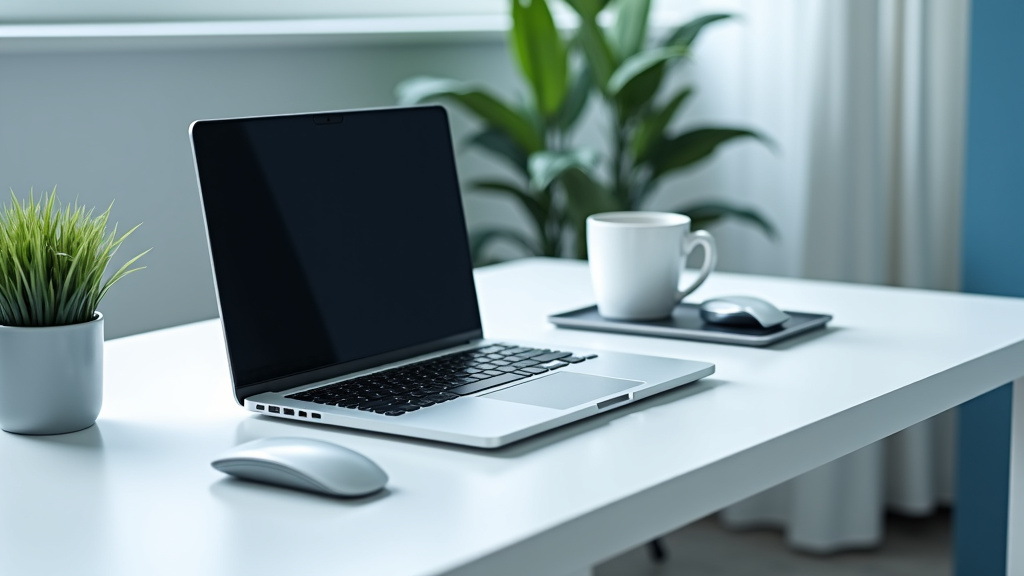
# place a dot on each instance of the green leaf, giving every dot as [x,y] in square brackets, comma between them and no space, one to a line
[587,9]
[705,214]
[630,28]
[489,108]
[53,258]
[500,143]
[687,33]
[540,52]
[529,202]
[480,239]
[576,100]
[585,197]
[599,55]
[633,67]
[546,166]
[691,147]
[637,81]
[642,94]
[652,128]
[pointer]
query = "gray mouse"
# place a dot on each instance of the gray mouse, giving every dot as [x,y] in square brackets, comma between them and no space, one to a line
[304,464]
[741,311]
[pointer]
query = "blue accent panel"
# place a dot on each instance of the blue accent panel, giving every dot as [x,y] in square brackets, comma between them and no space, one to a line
[983,472]
[993,232]
[993,224]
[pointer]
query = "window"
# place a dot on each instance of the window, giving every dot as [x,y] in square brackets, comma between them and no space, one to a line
[93,11]
[74,11]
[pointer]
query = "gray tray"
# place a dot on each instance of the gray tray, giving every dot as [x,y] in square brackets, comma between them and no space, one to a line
[686,323]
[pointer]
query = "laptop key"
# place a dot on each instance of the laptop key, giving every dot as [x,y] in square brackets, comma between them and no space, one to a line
[394,413]
[506,369]
[518,350]
[442,397]
[533,370]
[551,356]
[573,359]
[486,383]
[553,364]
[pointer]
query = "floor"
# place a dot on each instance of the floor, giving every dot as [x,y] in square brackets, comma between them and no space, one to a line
[913,547]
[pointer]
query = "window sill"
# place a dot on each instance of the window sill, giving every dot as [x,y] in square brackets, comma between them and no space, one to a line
[235,34]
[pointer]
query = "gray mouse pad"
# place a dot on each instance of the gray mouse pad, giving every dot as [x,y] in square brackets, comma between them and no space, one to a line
[686,323]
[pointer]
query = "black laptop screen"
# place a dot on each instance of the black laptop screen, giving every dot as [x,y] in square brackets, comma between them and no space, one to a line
[335,239]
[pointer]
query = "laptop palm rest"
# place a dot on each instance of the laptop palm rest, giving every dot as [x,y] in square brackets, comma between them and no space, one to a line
[563,390]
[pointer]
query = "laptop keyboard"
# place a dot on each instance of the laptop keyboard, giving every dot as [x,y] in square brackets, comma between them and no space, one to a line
[409,388]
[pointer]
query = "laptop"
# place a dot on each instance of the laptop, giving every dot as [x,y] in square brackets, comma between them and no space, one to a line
[346,294]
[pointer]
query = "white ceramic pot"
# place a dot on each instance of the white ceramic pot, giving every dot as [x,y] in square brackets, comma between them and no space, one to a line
[51,377]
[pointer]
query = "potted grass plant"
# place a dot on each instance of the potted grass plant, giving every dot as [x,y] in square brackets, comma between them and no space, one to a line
[53,263]
[620,65]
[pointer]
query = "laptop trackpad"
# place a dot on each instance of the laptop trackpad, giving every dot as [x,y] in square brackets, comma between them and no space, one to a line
[563,390]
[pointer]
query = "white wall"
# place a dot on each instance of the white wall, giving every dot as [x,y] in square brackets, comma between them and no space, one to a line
[111,123]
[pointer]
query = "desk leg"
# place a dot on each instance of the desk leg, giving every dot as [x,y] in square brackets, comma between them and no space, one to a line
[1015,523]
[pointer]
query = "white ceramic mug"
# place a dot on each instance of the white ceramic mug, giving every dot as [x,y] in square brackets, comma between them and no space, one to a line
[636,259]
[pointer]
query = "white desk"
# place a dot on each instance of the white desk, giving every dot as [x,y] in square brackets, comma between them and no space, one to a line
[135,494]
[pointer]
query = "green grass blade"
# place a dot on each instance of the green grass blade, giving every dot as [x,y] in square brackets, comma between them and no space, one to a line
[53,257]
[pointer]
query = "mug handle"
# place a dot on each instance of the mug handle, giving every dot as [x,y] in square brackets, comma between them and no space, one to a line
[702,238]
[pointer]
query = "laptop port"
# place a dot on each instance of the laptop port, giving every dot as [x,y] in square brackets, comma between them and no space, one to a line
[275,409]
[316,416]
[302,414]
[612,401]
[261,407]
[289,412]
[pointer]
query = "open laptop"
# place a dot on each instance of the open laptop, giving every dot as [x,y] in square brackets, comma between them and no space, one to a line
[346,291]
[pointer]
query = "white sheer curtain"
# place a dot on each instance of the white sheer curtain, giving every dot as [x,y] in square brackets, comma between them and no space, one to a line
[886,169]
[866,99]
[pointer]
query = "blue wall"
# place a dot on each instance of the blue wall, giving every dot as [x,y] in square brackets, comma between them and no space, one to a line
[993,242]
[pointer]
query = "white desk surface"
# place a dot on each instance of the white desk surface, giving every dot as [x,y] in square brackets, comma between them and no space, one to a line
[135,494]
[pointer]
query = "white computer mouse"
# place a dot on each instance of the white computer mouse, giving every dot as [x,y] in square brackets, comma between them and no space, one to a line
[304,464]
[741,311]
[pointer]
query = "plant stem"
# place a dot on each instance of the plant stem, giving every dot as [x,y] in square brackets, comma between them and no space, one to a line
[551,223]
[620,162]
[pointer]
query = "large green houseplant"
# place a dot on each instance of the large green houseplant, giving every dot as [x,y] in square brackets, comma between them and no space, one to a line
[558,182]
[53,264]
